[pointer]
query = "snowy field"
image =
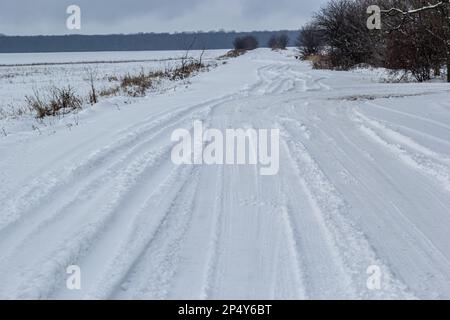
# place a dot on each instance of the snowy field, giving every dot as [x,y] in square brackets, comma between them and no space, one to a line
[364,184]
[23,74]
[9,59]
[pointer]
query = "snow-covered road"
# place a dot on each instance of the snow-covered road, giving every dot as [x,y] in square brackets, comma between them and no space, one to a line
[364,183]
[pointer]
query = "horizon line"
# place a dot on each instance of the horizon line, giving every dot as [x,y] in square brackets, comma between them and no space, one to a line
[150,32]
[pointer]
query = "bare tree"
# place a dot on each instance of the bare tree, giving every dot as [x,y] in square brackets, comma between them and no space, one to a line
[278,42]
[309,41]
[426,26]
[245,43]
[283,41]
[415,35]
[273,42]
[343,25]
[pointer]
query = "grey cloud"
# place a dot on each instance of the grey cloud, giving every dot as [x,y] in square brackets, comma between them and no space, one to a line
[128,16]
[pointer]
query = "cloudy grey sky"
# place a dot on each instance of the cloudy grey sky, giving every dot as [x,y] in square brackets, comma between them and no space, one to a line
[30,17]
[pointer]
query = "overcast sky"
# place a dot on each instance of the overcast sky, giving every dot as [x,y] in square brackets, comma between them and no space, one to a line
[31,17]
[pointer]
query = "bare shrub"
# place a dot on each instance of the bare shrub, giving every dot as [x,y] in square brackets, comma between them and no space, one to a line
[233,54]
[108,92]
[57,102]
[245,43]
[12,111]
[113,78]
[320,61]
[136,85]
[343,26]
[186,69]
[415,36]
[418,37]
[404,55]
[278,42]
[93,99]
[309,41]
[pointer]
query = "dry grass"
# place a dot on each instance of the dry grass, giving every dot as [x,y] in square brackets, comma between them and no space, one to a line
[136,85]
[112,78]
[185,70]
[57,102]
[320,61]
[109,92]
[233,54]
[14,112]
[60,101]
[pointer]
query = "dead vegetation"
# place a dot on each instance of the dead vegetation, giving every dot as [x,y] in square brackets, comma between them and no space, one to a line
[187,69]
[136,85]
[233,54]
[319,61]
[109,92]
[279,42]
[93,99]
[59,101]
[14,112]
[248,42]
[112,78]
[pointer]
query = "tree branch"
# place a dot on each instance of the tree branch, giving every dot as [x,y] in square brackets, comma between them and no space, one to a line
[396,11]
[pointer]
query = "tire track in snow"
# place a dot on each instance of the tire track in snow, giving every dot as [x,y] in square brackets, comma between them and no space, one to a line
[78,243]
[410,115]
[421,164]
[401,229]
[145,229]
[421,133]
[353,252]
[137,239]
[400,138]
[95,190]
[147,278]
[79,193]
[152,273]
[297,267]
[325,274]
[214,244]
[18,205]
[39,279]
[247,215]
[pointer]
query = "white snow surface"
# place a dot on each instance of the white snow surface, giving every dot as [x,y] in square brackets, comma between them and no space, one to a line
[364,181]
[23,74]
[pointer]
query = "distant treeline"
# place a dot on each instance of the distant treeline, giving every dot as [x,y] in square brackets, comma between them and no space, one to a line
[134,42]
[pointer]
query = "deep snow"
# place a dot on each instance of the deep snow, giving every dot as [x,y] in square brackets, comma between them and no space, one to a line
[364,181]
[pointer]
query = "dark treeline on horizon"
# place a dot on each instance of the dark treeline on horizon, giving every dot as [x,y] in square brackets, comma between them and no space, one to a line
[134,42]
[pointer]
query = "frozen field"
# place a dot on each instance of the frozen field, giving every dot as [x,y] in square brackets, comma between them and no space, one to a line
[364,183]
[112,56]
[22,74]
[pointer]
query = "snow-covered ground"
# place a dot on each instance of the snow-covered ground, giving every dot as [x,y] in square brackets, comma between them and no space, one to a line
[8,59]
[364,184]
[23,74]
